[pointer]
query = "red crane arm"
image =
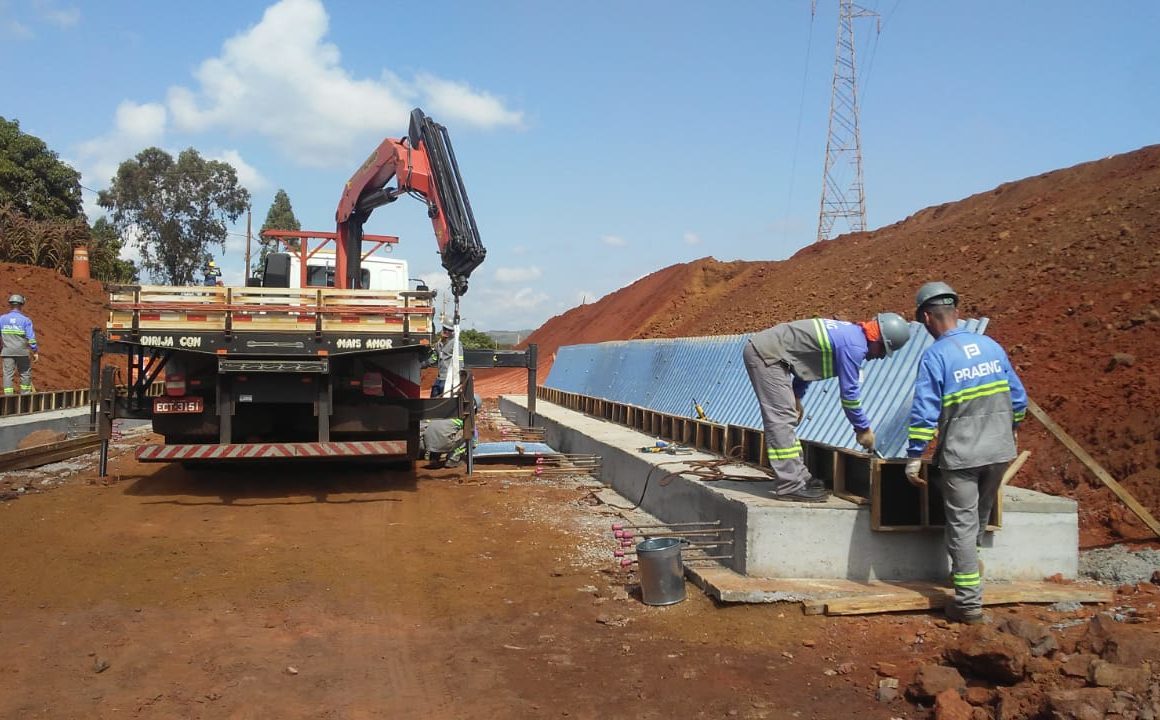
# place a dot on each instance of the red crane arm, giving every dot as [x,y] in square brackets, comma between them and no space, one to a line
[422,164]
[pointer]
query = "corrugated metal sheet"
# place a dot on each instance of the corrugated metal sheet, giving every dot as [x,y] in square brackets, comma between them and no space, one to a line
[667,375]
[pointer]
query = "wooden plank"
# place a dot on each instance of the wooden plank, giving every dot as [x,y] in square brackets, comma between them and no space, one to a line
[1014,467]
[44,454]
[1120,491]
[930,596]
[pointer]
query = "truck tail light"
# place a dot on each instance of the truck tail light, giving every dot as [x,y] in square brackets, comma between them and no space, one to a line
[174,384]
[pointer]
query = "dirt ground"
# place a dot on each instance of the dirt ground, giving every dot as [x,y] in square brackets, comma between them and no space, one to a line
[322,592]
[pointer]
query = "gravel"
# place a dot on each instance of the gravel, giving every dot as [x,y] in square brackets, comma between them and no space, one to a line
[1118,565]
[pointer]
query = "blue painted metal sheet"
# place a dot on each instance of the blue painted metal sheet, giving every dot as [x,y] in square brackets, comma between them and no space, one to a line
[508,449]
[667,375]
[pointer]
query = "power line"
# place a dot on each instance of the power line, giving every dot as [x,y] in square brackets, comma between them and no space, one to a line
[801,112]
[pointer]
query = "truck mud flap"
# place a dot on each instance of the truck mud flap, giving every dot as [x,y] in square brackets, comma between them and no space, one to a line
[273,451]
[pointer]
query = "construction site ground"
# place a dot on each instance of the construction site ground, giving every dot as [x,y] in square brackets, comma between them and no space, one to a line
[322,592]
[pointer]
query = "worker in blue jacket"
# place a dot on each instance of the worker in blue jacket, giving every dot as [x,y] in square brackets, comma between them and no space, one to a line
[782,360]
[968,395]
[18,346]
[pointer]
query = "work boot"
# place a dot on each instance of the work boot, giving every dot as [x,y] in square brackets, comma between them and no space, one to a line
[973,616]
[808,493]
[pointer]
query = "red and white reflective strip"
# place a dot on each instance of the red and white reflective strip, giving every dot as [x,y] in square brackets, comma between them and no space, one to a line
[272,451]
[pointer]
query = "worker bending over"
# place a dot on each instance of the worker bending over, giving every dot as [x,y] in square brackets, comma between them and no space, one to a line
[782,360]
[967,394]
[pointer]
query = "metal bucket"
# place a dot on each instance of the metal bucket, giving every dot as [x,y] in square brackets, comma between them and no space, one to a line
[662,575]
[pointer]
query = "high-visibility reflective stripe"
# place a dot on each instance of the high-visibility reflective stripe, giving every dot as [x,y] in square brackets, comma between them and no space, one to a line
[920,433]
[11,331]
[985,389]
[827,348]
[851,403]
[967,583]
[783,453]
[9,391]
[1020,415]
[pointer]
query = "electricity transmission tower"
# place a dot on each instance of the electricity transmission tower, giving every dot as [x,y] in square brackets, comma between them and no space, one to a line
[842,195]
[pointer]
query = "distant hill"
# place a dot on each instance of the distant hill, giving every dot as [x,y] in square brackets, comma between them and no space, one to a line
[509,338]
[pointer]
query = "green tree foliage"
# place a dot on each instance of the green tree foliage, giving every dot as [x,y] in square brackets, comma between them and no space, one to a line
[34,180]
[105,261]
[477,340]
[279,217]
[175,210]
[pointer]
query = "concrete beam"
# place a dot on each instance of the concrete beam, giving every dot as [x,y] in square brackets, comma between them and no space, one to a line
[774,539]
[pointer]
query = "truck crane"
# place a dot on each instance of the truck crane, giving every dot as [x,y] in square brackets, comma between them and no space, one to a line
[319,358]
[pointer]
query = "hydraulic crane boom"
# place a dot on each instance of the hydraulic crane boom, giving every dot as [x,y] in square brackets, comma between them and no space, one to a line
[423,165]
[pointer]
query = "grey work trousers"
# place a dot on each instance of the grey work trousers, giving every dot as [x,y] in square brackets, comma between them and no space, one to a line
[969,496]
[14,364]
[773,385]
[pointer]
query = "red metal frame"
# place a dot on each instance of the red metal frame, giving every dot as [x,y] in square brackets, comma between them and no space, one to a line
[305,253]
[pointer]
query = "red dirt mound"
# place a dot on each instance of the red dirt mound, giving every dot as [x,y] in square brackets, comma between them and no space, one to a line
[1066,265]
[63,311]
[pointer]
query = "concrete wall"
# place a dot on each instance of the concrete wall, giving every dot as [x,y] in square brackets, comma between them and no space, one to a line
[71,422]
[772,538]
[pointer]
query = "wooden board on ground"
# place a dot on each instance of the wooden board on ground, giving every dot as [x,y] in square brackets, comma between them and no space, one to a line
[850,597]
[38,455]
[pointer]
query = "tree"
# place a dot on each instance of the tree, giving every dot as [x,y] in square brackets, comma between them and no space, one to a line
[279,217]
[105,261]
[476,340]
[34,180]
[174,210]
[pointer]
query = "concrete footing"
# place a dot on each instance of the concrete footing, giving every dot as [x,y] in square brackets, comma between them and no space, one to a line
[775,539]
[13,429]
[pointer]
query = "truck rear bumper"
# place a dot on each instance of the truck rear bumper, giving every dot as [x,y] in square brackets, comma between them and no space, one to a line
[273,451]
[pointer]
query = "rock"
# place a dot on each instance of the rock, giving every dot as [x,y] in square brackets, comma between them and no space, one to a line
[808,643]
[930,680]
[1039,666]
[990,654]
[949,705]
[1120,677]
[980,714]
[291,670]
[886,669]
[887,694]
[1078,665]
[1019,703]
[100,664]
[979,696]
[846,668]
[1038,636]
[829,672]
[1125,359]
[888,682]
[1121,644]
[1081,704]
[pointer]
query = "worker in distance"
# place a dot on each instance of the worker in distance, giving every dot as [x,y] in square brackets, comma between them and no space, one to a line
[784,359]
[967,394]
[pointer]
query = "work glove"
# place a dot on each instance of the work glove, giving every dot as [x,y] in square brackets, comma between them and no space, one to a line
[35,357]
[866,438]
[801,413]
[913,468]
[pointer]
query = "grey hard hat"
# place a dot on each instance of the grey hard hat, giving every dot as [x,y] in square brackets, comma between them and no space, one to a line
[935,293]
[15,299]
[895,331]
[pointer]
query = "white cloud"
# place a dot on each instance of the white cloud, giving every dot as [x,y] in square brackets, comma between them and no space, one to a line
[517,274]
[17,29]
[282,80]
[691,238]
[613,241]
[248,175]
[62,17]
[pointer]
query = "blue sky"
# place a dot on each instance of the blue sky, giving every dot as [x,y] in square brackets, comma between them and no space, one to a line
[599,141]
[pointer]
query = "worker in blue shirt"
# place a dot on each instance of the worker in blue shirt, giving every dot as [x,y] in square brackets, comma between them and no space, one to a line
[968,395]
[18,346]
[782,360]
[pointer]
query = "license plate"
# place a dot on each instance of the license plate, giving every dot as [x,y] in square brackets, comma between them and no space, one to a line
[177,405]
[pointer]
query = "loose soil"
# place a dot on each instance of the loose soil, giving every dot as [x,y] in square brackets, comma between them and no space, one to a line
[302,592]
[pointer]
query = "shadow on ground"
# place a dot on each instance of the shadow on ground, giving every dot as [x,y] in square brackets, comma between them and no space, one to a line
[273,483]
